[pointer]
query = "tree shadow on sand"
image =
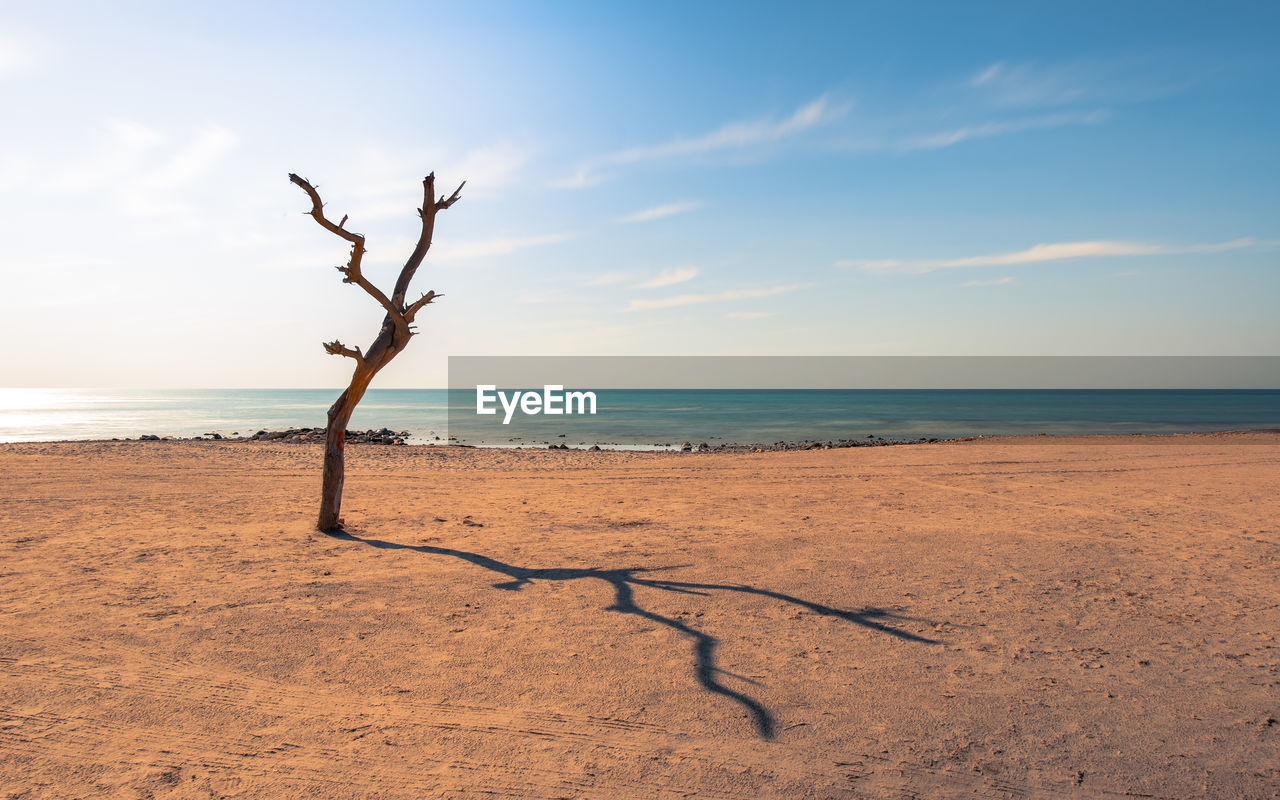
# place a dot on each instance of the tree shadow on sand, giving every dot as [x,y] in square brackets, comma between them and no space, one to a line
[624,579]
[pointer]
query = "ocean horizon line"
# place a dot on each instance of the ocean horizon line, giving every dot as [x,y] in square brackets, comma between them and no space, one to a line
[340,389]
[644,417]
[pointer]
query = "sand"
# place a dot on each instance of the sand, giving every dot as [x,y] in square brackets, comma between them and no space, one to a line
[1079,618]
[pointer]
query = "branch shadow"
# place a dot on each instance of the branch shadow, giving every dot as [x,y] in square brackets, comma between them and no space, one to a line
[623,580]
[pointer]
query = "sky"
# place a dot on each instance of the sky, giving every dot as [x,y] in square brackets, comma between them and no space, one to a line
[642,179]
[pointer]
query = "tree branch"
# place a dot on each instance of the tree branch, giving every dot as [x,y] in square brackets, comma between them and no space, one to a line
[428,214]
[417,305]
[336,348]
[453,198]
[352,269]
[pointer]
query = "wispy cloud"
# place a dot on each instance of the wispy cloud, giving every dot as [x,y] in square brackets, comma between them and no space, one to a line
[583,177]
[1030,84]
[749,314]
[489,167]
[994,282]
[987,74]
[732,136]
[387,183]
[718,297]
[1057,251]
[539,298]
[940,139]
[497,246]
[989,96]
[905,142]
[194,160]
[137,169]
[609,279]
[17,57]
[736,134]
[669,277]
[1118,79]
[658,212]
[133,134]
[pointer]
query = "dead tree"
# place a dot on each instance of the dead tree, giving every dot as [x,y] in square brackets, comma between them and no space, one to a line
[397,329]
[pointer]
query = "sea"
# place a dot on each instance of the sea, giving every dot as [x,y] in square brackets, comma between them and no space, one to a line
[643,418]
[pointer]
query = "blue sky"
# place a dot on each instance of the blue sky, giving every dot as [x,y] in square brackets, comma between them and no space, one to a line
[820,179]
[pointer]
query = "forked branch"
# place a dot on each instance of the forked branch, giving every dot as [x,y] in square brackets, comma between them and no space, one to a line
[453,198]
[352,268]
[417,305]
[428,213]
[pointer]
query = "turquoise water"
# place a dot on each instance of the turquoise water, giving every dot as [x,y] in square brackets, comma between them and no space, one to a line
[56,414]
[643,418]
[666,417]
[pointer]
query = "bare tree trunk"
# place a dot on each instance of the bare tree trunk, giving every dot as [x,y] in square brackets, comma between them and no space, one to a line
[335,439]
[392,338]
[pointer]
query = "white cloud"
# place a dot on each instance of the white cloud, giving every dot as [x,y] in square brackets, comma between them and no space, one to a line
[131,133]
[609,279]
[582,178]
[749,314]
[497,246]
[658,212]
[194,160]
[719,297]
[987,74]
[136,169]
[150,192]
[1030,85]
[994,282]
[539,298]
[985,130]
[1097,80]
[387,184]
[18,57]
[320,260]
[669,277]
[1057,251]
[489,167]
[735,135]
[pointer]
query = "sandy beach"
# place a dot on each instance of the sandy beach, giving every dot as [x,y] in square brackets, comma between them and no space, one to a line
[1007,618]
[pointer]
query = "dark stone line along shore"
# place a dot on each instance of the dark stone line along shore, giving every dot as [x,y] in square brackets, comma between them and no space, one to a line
[385,436]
